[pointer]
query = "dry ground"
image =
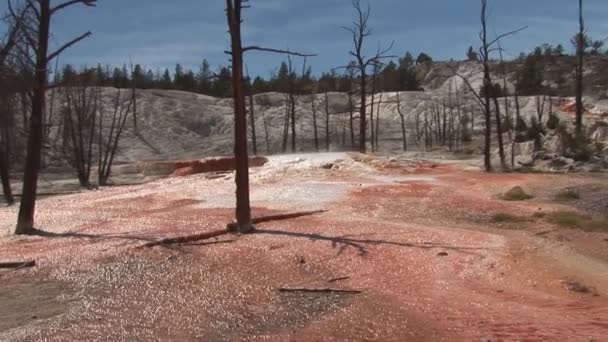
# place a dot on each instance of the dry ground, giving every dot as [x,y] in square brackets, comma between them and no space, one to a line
[418,239]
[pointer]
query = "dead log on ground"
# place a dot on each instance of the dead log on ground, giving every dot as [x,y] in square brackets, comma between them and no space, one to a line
[18,264]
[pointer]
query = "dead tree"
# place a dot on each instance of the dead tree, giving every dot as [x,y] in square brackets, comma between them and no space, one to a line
[286,123]
[483,98]
[487,86]
[80,119]
[314,121]
[234,18]
[580,52]
[372,107]
[351,106]
[540,108]
[505,90]
[378,123]
[43,12]
[292,103]
[402,117]
[6,48]
[327,126]
[360,30]
[134,94]
[351,119]
[5,177]
[108,145]
[254,141]
[266,133]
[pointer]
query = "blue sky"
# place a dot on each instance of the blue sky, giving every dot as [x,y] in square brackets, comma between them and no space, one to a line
[161,33]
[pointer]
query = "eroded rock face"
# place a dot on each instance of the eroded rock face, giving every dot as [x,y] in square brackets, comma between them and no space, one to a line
[600,133]
[553,144]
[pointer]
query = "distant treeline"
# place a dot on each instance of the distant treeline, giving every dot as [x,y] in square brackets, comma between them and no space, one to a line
[532,72]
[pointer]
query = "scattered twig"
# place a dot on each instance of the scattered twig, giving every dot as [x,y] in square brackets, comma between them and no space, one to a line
[19,264]
[317,290]
[544,232]
[333,280]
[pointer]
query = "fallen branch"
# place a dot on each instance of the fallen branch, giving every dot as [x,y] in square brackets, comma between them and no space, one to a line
[231,228]
[187,239]
[19,264]
[234,227]
[317,290]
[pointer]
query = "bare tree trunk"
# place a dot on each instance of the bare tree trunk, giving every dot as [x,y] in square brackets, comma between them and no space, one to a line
[108,149]
[487,85]
[371,122]
[362,116]
[580,51]
[402,116]
[506,92]
[351,119]
[266,134]
[293,122]
[360,31]
[314,122]
[540,108]
[243,208]
[286,123]
[517,107]
[501,147]
[254,141]
[25,221]
[134,97]
[327,138]
[378,123]
[80,118]
[418,130]
[5,177]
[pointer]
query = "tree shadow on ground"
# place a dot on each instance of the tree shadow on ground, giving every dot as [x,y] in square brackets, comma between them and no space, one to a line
[361,245]
[98,237]
[75,235]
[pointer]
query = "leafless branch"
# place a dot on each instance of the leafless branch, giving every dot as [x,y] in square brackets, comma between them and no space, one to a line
[285,52]
[90,3]
[68,45]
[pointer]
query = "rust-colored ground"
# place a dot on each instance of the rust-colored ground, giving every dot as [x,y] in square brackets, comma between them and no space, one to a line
[416,238]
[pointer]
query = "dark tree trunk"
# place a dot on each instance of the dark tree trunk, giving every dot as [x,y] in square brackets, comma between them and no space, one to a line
[362,113]
[327,137]
[266,133]
[378,123]
[580,51]
[286,123]
[254,141]
[501,146]
[517,108]
[487,85]
[292,100]
[314,123]
[243,209]
[402,116]
[25,221]
[5,177]
[351,119]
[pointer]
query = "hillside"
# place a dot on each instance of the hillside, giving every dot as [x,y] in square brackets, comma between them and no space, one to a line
[173,125]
